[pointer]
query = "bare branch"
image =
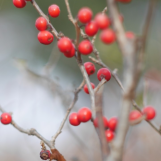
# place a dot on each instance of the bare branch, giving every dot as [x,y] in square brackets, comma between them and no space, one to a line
[103,81]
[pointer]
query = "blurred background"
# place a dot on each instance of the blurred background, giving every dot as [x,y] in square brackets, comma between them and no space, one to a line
[39,103]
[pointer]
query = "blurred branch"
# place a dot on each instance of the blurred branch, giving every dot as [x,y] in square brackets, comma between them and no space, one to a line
[29,132]
[68,111]
[41,13]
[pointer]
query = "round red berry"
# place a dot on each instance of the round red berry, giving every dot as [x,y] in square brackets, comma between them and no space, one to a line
[6,118]
[90,68]
[104,73]
[45,37]
[85,47]
[71,53]
[86,88]
[124,1]
[54,10]
[65,45]
[105,122]
[102,21]
[19,3]
[109,135]
[85,15]
[45,154]
[41,24]
[84,114]
[107,36]
[134,116]
[91,28]
[112,123]
[149,112]
[130,35]
[73,119]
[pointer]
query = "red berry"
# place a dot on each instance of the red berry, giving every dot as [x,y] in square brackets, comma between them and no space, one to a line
[45,154]
[84,114]
[124,1]
[107,36]
[45,37]
[85,47]
[54,10]
[19,3]
[109,135]
[6,118]
[65,45]
[73,119]
[105,122]
[112,123]
[103,73]
[134,116]
[71,53]
[86,88]
[41,24]
[102,21]
[149,112]
[130,35]
[90,68]
[85,15]
[91,28]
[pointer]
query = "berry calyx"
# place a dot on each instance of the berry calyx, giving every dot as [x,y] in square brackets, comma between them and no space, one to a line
[45,37]
[130,35]
[91,28]
[102,21]
[65,45]
[104,73]
[109,135]
[85,15]
[149,112]
[86,88]
[6,118]
[41,24]
[54,10]
[45,154]
[107,36]
[135,117]
[19,3]
[90,68]
[84,114]
[105,122]
[71,53]
[112,123]
[85,47]
[73,119]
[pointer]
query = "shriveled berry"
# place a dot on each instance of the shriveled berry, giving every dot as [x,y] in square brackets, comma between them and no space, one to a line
[130,35]
[45,37]
[85,15]
[102,21]
[6,118]
[105,122]
[107,36]
[86,88]
[41,24]
[54,10]
[85,47]
[112,123]
[19,3]
[149,112]
[45,154]
[90,68]
[109,135]
[84,114]
[71,53]
[104,73]
[65,45]
[135,116]
[91,28]
[73,119]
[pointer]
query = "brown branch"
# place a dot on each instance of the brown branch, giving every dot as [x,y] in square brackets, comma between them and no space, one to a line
[41,13]
[29,132]
[68,111]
